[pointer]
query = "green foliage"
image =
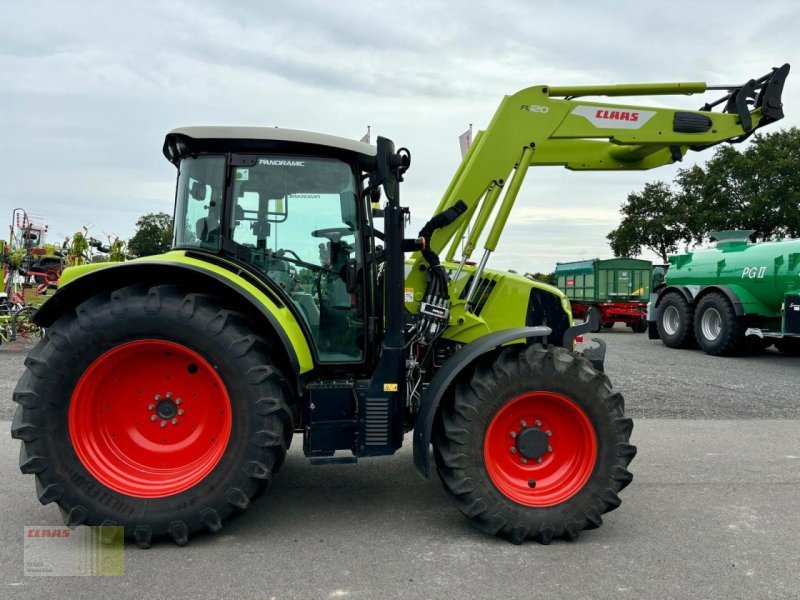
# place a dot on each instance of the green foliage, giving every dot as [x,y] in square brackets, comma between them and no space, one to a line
[652,220]
[549,278]
[756,189]
[153,235]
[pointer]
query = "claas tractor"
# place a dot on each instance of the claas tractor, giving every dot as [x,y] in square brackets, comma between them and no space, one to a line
[167,390]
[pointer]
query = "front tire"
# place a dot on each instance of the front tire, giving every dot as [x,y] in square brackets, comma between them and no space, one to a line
[100,375]
[676,321]
[534,445]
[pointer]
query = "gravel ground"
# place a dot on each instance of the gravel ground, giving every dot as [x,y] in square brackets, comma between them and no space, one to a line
[708,514]
[657,382]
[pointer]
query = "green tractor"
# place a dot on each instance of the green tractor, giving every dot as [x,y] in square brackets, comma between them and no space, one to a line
[167,390]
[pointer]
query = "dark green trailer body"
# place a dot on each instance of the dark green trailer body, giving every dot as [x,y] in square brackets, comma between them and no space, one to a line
[617,288]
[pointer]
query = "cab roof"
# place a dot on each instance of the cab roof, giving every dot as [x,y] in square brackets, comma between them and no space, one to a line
[247,139]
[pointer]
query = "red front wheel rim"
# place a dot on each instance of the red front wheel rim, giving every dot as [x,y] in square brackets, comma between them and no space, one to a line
[540,449]
[150,418]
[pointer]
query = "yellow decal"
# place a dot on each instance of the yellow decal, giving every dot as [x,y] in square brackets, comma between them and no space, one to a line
[389,387]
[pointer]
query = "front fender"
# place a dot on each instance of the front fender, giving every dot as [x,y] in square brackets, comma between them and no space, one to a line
[219,278]
[445,376]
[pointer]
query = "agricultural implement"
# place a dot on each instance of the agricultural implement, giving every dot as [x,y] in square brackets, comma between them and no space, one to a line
[167,390]
[732,298]
[616,290]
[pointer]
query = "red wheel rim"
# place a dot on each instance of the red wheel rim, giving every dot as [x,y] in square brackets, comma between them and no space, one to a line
[150,418]
[568,442]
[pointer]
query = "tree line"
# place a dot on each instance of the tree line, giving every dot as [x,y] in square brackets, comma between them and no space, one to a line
[756,189]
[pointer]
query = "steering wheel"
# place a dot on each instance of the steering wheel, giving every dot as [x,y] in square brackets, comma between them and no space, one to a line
[334,234]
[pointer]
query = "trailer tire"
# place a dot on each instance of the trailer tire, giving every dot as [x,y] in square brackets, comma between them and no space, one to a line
[572,437]
[718,330]
[788,346]
[676,321]
[94,412]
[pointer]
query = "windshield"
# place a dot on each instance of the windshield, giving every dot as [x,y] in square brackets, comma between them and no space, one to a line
[198,204]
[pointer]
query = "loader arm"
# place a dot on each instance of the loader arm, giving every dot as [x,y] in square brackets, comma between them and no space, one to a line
[545,125]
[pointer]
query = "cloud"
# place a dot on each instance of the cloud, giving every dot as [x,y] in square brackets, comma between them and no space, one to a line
[88,90]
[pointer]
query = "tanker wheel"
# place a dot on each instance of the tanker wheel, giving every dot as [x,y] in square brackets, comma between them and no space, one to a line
[534,445]
[154,409]
[717,329]
[788,346]
[676,321]
[640,326]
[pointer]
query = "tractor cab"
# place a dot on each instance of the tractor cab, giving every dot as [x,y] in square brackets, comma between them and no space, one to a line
[289,206]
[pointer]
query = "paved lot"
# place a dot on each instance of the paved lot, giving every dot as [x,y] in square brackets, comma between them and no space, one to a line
[711,513]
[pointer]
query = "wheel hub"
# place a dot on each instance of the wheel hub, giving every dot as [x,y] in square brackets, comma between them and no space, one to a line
[167,409]
[532,442]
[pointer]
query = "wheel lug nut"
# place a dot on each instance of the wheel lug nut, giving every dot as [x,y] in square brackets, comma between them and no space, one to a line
[178,401]
[180,411]
[513,450]
[548,433]
[524,461]
[153,417]
[169,395]
[523,423]
[549,448]
[539,460]
[174,421]
[157,397]
[151,406]
[538,423]
[163,423]
[513,434]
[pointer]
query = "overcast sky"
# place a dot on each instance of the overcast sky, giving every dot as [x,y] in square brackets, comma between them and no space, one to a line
[89,89]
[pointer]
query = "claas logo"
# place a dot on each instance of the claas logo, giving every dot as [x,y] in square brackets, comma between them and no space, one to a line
[616,115]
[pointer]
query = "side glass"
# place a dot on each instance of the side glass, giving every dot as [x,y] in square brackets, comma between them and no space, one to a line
[198,203]
[298,217]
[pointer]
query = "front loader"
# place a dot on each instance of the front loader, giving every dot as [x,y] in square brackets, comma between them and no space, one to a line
[166,390]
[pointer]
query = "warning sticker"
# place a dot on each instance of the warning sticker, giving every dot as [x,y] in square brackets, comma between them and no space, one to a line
[242,174]
[409,295]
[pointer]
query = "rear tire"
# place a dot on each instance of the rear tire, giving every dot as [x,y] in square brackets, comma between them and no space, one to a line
[584,458]
[676,321]
[716,327]
[176,493]
[788,346]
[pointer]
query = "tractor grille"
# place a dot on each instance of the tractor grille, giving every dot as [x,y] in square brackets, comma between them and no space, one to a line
[376,422]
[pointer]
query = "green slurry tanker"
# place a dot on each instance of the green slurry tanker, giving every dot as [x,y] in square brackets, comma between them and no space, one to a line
[731,298]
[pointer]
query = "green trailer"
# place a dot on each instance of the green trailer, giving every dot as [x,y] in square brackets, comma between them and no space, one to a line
[731,298]
[617,288]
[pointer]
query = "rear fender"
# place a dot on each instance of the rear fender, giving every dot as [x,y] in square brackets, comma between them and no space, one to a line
[241,293]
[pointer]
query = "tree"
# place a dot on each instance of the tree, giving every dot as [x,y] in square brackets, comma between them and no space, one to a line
[549,278]
[153,235]
[757,189]
[652,220]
